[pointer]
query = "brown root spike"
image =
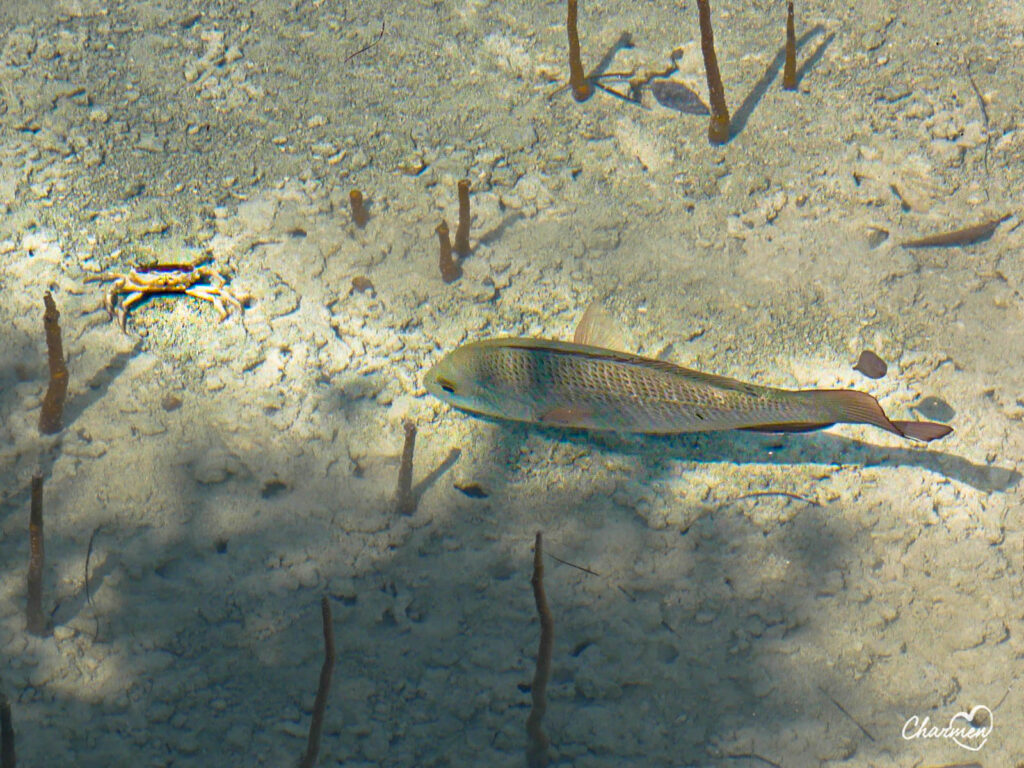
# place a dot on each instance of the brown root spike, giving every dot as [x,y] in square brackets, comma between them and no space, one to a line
[462,231]
[8,759]
[789,73]
[316,725]
[537,747]
[718,128]
[581,88]
[35,618]
[405,499]
[359,215]
[51,416]
[450,269]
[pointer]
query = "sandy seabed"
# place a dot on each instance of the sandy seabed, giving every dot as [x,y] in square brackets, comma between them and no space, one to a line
[749,600]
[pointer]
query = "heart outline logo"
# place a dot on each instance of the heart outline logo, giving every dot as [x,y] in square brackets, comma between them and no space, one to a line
[969,720]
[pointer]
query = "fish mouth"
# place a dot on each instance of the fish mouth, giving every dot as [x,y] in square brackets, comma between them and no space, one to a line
[438,383]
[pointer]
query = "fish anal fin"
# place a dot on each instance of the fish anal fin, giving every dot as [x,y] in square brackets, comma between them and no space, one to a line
[923,430]
[597,329]
[795,427]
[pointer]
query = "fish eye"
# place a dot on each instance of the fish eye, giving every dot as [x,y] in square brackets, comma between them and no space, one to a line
[446,385]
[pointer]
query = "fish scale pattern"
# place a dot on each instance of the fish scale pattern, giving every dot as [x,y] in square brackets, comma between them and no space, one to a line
[623,392]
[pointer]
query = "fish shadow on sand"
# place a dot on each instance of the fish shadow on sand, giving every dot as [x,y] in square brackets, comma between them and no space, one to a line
[740,447]
[834,449]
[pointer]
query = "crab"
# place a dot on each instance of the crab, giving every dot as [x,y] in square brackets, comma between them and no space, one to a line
[196,280]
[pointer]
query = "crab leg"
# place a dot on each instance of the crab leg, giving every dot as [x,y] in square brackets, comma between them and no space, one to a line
[110,297]
[122,310]
[213,298]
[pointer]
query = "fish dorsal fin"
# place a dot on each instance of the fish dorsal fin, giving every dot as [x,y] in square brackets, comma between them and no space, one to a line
[598,329]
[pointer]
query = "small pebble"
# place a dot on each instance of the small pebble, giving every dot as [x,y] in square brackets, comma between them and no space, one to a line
[871,365]
[473,490]
[876,236]
[362,284]
[170,402]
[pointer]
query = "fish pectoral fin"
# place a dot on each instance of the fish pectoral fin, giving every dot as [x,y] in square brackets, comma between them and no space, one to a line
[807,426]
[597,329]
[565,416]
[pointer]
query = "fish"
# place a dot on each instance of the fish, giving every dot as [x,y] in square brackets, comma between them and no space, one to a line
[581,386]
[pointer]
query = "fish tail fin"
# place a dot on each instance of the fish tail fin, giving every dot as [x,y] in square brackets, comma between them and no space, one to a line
[925,431]
[853,407]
